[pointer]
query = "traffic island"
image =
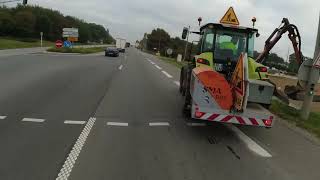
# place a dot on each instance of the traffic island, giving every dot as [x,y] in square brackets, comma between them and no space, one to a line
[77,50]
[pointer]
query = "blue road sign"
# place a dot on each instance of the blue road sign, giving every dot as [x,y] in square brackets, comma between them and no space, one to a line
[67,44]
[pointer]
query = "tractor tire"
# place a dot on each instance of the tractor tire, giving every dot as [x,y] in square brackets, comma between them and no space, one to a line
[183,80]
[186,85]
[187,105]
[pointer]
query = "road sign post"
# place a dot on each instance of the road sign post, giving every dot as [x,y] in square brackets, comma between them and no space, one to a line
[313,72]
[230,17]
[72,34]
[59,44]
[67,44]
[41,35]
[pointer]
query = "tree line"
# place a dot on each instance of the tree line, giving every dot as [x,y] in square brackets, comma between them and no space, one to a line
[29,21]
[160,40]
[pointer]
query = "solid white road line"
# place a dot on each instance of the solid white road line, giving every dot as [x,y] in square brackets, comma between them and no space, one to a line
[167,74]
[177,83]
[196,124]
[117,124]
[158,67]
[3,117]
[73,155]
[33,120]
[159,124]
[253,146]
[152,62]
[120,67]
[74,122]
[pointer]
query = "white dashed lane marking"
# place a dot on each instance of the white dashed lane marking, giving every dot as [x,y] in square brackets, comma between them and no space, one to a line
[158,67]
[177,83]
[117,124]
[73,155]
[167,74]
[74,122]
[3,117]
[253,146]
[120,67]
[33,120]
[159,124]
[152,63]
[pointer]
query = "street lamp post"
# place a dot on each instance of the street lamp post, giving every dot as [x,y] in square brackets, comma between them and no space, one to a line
[312,74]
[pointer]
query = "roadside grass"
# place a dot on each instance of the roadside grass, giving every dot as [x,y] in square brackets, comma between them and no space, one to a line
[77,50]
[172,61]
[291,115]
[13,43]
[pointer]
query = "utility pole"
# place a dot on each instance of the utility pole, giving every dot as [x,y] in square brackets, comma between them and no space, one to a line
[185,50]
[313,72]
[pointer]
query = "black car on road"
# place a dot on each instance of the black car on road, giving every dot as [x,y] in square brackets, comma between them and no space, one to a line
[112,51]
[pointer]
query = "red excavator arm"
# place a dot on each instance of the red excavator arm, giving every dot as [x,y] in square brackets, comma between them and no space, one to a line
[294,36]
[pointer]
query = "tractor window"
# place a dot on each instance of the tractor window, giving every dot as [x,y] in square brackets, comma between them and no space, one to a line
[251,45]
[208,41]
[229,45]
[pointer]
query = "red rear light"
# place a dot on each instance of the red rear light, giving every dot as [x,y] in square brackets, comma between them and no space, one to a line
[199,114]
[267,122]
[203,61]
[262,69]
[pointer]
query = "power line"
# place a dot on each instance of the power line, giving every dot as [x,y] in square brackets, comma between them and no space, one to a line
[7,1]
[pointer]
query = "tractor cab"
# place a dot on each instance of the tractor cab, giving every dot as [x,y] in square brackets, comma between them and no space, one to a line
[220,45]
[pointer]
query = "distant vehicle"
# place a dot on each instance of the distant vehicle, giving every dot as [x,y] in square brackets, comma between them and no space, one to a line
[112,51]
[127,44]
[121,44]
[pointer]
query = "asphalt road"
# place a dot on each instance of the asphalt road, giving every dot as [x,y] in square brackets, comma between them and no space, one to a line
[96,117]
[22,51]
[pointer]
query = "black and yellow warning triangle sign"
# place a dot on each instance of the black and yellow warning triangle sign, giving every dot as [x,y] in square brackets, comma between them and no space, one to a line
[230,17]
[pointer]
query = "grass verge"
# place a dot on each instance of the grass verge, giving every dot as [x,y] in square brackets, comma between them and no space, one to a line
[77,50]
[173,61]
[292,115]
[11,43]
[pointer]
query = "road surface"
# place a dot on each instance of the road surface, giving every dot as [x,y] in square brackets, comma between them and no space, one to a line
[21,51]
[94,117]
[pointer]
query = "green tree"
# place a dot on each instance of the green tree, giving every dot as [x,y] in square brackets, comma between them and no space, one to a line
[25,24]
[43,24]
[28,21]
[158,37]
[293,65]
[7,23]
[273,61]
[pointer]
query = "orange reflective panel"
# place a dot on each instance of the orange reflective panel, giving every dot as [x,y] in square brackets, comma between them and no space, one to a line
[216,85]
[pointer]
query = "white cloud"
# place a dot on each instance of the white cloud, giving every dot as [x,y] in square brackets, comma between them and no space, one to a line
[132,18]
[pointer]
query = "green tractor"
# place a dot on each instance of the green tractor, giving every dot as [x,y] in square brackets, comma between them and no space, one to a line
[219,48]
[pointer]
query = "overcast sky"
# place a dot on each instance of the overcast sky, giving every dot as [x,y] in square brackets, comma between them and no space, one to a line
[132,18]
